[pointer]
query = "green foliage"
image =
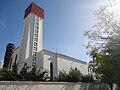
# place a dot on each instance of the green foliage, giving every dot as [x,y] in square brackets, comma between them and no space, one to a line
[63,76]
[38,75]
[104,46]
[87,78]
[24,75]
[103,65]
[74,75]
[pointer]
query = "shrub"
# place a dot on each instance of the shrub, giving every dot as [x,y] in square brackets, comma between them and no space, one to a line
[63,76]
[74,75]
[34,75]
[38,75]
[87,78]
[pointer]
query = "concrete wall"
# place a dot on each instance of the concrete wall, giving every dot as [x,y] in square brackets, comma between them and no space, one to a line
[50,86]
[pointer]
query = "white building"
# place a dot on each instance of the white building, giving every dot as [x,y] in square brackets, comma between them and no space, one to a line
[31,52]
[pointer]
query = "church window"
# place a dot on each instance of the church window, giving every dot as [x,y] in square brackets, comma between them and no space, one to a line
[37,20]
[37,27]
[15,59]
[34,54]
[51,70]
[35,39]
[35,48]
[37,23]
[34,58]
[36,31]
[33,63]
[36,35]
[35,44]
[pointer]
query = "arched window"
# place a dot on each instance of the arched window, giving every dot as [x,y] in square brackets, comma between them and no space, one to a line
[51,70]
[15,59]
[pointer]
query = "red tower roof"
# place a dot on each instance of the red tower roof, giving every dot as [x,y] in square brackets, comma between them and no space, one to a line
[34,9]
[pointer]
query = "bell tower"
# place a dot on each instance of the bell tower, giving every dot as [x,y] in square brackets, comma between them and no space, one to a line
[31,42]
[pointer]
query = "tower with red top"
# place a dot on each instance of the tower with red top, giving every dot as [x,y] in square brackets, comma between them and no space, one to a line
[31,43]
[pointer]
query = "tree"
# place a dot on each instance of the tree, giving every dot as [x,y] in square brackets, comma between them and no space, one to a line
[107,26]
[104,46]
[114,50]
[103,66]
[8,55]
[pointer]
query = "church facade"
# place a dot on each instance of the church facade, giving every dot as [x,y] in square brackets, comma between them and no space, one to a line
[31,52]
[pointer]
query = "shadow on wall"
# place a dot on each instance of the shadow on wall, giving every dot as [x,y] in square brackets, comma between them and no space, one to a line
[88,86]
[52,86]
[102,87]
[79,86]
[17,87]
[84,86]
[69,86]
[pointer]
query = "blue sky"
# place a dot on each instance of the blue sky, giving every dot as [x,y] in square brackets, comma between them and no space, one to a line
[64,24]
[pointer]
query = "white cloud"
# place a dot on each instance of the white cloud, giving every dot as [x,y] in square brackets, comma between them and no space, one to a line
[94,5]
[2,23]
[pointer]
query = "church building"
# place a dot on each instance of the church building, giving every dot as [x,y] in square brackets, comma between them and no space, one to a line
[31,50]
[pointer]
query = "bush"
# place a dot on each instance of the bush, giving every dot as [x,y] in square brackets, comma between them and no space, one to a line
[74,75]
[38,75]
[63,76]
[87,78]
[34,75]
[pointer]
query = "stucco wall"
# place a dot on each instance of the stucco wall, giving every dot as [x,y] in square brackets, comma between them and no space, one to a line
[50,86]
[62,62]
[16,52]
[65,63]
[50,57]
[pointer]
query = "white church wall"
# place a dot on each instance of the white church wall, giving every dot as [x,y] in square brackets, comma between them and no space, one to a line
[50,57]
[28,39]
[62,62]
[40,61]
[25,42]
[40,32]
[65,63]
[16,52]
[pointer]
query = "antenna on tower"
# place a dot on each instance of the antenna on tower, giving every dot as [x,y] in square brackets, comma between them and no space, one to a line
[56,50]
[56,46]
